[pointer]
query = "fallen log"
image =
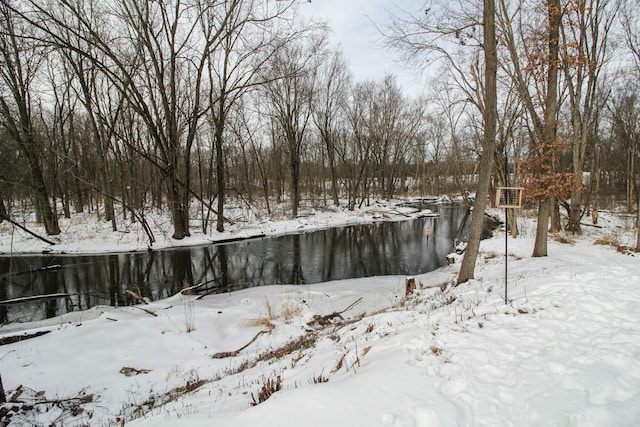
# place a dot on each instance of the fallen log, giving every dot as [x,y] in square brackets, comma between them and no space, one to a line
[33,298]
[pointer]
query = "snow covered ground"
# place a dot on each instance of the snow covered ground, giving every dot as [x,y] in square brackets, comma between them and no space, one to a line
[564,350]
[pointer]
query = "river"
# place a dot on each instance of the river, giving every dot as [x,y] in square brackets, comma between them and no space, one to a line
[79,282]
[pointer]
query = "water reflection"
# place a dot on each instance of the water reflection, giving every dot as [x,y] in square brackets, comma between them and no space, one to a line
[384,248]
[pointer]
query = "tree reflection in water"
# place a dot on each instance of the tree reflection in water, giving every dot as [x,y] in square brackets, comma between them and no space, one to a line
[383,248]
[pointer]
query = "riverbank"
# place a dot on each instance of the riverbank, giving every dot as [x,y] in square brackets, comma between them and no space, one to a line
[562,351]
[85,233]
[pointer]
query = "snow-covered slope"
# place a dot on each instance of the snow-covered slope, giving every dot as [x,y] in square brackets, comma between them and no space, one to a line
[563,351]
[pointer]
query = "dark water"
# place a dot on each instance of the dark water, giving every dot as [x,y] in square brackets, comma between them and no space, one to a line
[383,248]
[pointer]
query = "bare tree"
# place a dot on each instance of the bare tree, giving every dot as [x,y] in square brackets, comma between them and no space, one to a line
[585,49]
[328,104]
[20,60]
[536,80]
[625,115]
[631,29]
[292,75]
[250,35]
[357,157]
[156,54]
[441,31]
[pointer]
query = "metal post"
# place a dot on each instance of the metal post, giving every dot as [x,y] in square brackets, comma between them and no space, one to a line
[506,227]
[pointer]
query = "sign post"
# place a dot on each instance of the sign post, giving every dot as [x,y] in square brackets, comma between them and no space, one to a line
[508,198]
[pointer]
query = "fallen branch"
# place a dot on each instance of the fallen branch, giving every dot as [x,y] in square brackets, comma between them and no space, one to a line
[129,371]
[146,311]
[225,354]
[591,225]
[18,338]
[187,290]
[20,226]
[325,320]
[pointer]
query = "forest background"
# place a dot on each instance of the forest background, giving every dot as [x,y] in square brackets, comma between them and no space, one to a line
[125,107]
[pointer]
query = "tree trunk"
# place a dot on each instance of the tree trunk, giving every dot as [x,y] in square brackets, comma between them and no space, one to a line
[638,226]
[490,114]
[295,183]
[3,396]
[556,224]
[332,169]
[631,171]
[220,182]
[43,204]
[540,245]
[179,212]
[3,210]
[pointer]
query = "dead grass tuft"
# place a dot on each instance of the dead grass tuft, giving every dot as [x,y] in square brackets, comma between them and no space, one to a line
[287,312]
[290,310]
[609,240]
[443,286]
[614,241]
[366,350]
[450,300]
[269,386]
[262,322]
[319,379]
[563,237]
[490,255]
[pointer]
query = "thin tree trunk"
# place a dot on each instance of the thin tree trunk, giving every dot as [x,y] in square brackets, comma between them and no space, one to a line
[220,180]
[556,224]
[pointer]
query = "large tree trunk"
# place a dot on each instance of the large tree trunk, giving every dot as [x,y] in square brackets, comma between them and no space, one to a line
[42,201]
[551,106]
[179,211]
[3,210]
[490,114]
[540,245]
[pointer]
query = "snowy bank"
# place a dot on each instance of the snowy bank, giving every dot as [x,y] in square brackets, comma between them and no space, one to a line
[563,351]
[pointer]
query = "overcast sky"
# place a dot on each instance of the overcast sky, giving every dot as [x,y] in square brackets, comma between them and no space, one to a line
[361,42]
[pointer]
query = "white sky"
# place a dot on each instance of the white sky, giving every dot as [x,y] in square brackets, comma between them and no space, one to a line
[361,42]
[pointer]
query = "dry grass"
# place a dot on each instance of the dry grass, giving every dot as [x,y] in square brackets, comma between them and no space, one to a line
[366,350]
[319,379]
[613,241]
[490,255]
[609,240]
[290,310]
[262,322]
[269,386]
[563,237]
[286,312]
